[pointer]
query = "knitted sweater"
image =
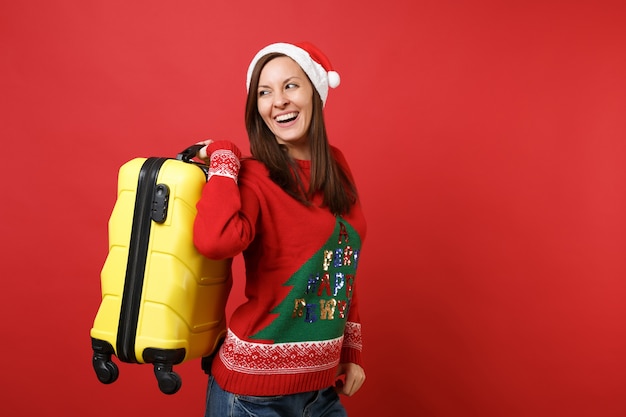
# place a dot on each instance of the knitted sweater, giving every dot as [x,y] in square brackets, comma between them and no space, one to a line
[301,317]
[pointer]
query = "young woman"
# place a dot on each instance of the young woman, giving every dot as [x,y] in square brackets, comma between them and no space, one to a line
[292,209]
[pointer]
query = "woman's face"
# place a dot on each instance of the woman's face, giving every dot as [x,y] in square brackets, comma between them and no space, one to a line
[285,102]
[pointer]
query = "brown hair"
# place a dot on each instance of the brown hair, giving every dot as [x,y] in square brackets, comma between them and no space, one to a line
[327,175]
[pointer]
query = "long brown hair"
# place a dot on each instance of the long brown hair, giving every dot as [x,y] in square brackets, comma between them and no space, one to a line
[327,175]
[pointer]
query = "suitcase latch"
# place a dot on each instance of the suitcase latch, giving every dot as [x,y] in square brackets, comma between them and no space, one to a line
[160,202]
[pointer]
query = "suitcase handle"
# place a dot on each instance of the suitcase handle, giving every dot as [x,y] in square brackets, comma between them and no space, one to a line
[188,154]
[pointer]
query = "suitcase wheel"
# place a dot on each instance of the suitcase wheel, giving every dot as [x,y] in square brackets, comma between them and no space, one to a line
[169,381]
[106,371]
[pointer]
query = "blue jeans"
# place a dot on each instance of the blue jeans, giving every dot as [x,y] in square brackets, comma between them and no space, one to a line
[323,403]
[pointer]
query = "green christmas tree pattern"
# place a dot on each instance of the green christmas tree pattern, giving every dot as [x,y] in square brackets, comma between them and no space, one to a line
[317,306]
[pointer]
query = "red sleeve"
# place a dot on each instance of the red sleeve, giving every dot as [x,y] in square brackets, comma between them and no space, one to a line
[352,337]
[226,217]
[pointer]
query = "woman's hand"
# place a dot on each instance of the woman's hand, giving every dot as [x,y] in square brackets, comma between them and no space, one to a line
[202,152]
[350,377]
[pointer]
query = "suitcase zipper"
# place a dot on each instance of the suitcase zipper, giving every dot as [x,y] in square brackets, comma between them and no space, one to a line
[137,257]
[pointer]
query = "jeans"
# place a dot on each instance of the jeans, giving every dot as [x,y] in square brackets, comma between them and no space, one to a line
[323,403]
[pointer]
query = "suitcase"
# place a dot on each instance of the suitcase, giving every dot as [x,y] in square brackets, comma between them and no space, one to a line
[162,302]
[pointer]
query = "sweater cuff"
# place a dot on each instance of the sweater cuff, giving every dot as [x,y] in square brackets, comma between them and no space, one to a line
[224,160]
[352,343]
[349,355]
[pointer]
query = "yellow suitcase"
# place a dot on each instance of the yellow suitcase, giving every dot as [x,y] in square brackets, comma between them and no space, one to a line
[162,302]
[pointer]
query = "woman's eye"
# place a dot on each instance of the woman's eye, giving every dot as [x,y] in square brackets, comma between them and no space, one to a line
[263,93]
[291,85]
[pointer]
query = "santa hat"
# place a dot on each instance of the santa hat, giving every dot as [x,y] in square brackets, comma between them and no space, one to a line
[312,61]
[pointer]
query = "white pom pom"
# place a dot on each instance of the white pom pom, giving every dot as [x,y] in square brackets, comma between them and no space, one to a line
[333,79]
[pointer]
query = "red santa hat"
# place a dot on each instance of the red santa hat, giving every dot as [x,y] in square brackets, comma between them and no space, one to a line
[312,61]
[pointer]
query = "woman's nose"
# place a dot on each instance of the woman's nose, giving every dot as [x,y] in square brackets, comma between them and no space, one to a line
[280,99]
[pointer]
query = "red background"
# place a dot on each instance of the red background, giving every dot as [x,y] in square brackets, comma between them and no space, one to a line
[488,141]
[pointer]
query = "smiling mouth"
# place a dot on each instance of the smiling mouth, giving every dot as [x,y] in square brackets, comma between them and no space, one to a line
[286,118]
